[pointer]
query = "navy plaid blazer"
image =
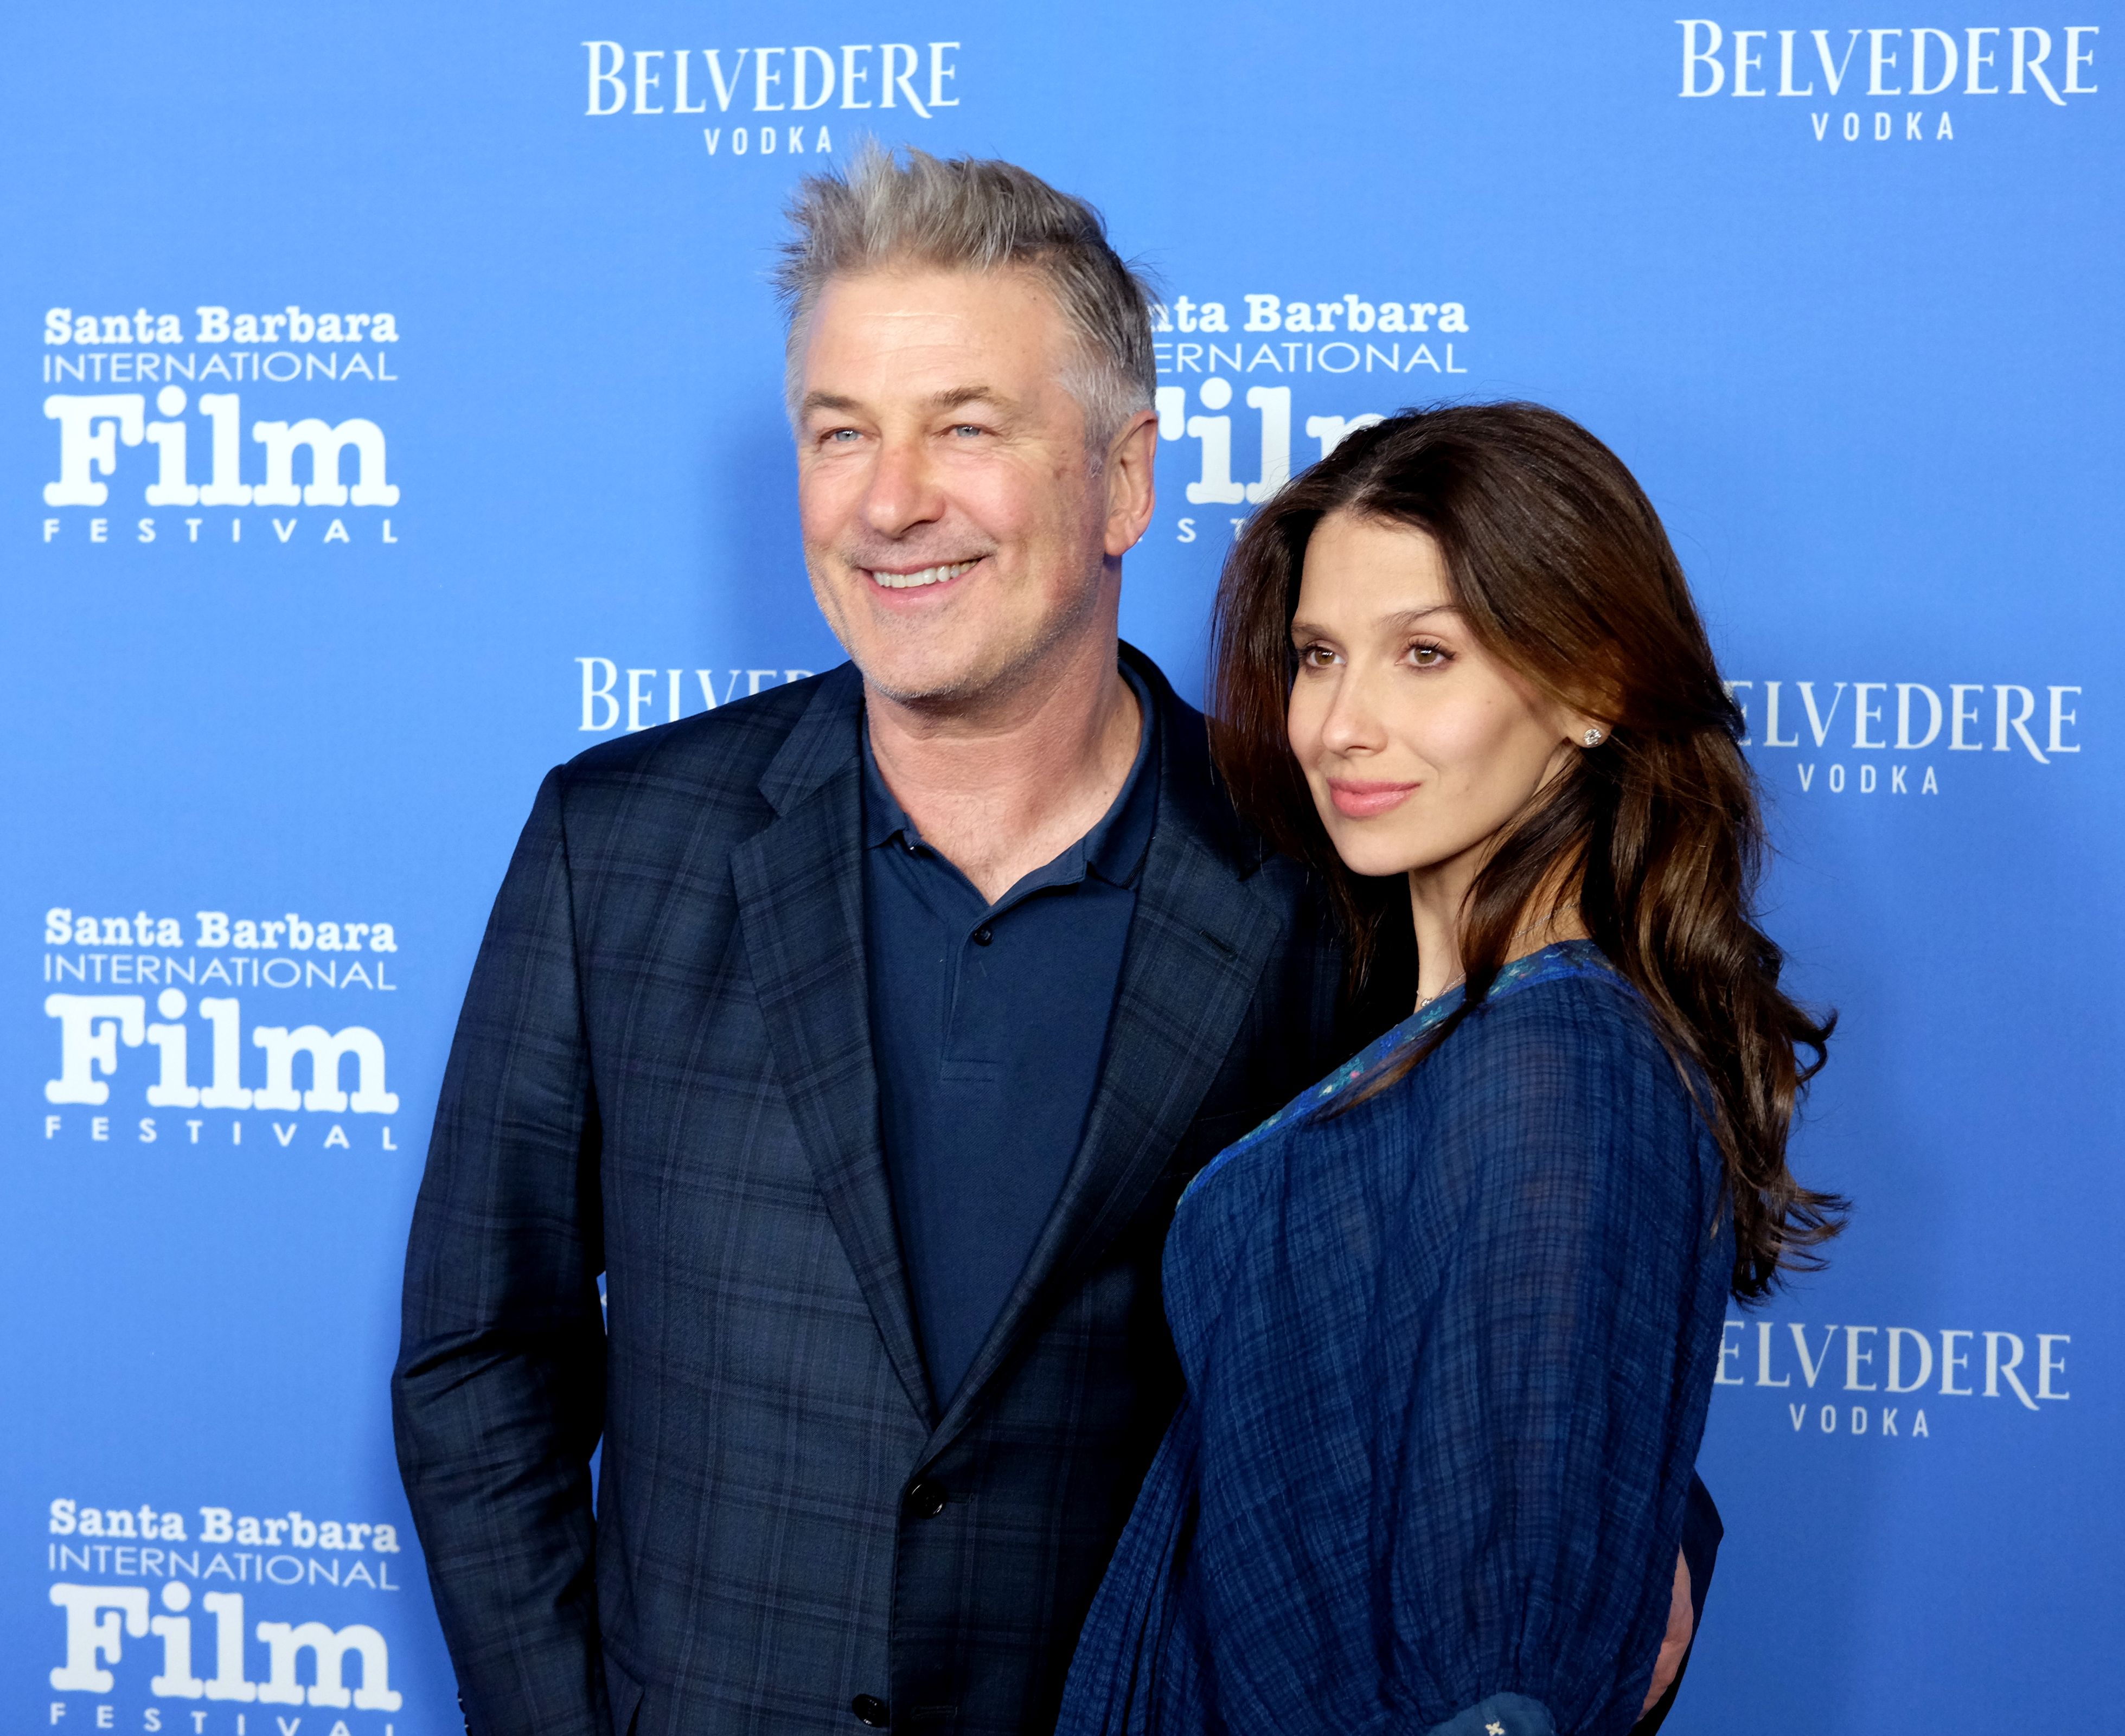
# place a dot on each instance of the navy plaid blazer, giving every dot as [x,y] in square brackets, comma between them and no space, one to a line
[663,1073]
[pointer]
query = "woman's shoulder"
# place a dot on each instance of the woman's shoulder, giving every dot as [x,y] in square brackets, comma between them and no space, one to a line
[1566,1001]
[1561,1041]
[1574,1005]
[1567,1053]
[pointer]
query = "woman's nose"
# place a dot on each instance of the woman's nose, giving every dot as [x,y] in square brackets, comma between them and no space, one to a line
[1354,723]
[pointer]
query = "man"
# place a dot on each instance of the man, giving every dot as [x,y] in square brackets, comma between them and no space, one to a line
[862,1035]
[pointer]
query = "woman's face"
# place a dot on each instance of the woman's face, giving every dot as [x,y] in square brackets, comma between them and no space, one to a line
[1417,744]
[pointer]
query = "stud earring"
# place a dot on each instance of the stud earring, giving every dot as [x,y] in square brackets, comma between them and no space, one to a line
[1592,738]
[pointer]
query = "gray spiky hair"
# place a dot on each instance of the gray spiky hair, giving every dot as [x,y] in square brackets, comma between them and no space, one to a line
[976,214]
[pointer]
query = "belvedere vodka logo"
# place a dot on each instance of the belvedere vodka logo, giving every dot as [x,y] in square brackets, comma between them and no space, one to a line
[138,379]
[1896,738]
[160,1036]
[1877,1381]
[1860,81]
[806,87]
[652,690]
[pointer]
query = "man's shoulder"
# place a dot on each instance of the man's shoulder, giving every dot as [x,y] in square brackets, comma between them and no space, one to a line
[676,799]
[725,752]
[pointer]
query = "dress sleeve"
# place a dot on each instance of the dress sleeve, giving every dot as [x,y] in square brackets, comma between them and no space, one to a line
[1545,1379]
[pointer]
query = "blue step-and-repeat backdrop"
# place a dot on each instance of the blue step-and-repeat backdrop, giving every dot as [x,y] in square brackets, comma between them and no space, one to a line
[396,412]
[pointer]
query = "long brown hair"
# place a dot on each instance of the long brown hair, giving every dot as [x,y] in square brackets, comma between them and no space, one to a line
[1562,571]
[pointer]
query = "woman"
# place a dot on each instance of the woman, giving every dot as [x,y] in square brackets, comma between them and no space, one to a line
[1449,1321]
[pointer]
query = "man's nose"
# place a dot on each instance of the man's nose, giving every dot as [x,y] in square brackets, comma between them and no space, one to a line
[904,491]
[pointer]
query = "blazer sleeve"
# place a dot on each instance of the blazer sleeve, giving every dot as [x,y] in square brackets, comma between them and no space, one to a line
[1538,1458]
[497,1396]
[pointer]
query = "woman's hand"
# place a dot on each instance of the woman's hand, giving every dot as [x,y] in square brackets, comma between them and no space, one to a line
[1680,1615]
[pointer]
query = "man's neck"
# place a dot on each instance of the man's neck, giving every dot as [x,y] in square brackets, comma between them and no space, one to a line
[1003,790]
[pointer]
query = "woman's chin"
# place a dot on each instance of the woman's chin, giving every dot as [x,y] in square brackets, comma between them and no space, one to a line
[1375,859]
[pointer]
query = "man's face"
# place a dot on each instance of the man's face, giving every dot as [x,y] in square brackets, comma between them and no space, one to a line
[955,528]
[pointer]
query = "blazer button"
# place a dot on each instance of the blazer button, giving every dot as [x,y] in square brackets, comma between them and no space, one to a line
[925,1499]
[869,1709]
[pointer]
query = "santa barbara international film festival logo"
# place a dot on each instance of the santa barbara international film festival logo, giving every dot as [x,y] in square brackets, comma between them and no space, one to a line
[180,1619]
[756,103]
[1278,346]
[219,1029]
[244,417]
[1907,84]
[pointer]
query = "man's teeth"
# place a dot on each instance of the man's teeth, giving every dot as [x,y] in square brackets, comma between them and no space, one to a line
[928,575]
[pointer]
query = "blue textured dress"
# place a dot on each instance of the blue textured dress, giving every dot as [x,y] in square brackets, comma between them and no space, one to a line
[1448,1355]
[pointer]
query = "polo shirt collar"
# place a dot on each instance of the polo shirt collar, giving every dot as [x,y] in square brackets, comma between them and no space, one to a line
[1114,849]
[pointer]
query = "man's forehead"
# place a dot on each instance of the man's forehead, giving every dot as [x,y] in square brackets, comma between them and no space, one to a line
[876,346]
[910,311]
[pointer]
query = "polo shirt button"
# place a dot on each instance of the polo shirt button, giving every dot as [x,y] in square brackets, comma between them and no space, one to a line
[925,1499]
[869,1709]
[983,936]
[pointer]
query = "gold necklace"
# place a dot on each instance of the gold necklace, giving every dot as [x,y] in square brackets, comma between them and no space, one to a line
[1426,1000]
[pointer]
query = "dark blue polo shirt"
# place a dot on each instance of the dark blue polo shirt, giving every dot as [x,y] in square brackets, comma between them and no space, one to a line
[988,1022]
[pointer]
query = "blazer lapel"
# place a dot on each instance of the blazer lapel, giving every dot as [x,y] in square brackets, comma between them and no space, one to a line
[1198,944]
[799,886]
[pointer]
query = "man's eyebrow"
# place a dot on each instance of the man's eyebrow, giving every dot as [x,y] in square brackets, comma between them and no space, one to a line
[953,396]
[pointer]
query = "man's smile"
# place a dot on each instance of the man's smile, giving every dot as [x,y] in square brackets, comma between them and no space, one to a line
[921,576]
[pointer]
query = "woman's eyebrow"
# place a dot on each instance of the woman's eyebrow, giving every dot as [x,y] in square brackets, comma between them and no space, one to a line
[1401,621]
[1404,619]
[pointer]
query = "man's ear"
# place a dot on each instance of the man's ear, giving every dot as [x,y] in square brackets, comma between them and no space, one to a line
[1132,493]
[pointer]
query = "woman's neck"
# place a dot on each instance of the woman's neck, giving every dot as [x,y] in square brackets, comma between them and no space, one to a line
[1438,910]
[1436,897]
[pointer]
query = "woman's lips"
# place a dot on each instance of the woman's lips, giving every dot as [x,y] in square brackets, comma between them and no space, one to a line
[1363,800]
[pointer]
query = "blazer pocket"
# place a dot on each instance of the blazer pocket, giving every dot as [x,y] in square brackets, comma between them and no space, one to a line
[623,1694]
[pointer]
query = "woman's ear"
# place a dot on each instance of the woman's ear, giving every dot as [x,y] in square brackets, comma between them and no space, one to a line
[1589,718]
[1581,721]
